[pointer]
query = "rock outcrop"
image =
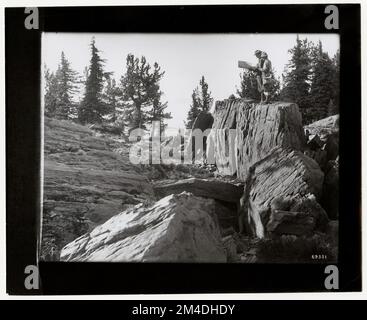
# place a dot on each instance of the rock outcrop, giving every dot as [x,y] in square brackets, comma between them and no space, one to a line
[326,154]
[208,188]
[256,130]
[203,122]
[86,181]
[294,178]
[177,228]
[327,132]
[324,127]
[185,214]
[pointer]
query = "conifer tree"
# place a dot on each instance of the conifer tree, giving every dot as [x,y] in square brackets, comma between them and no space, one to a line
[140,92]
[66,78]
[158,111]
[206,99]
[194,110]
[323,84]
[92,108]
[111,96]
[336,99]
[297,77]
[60,87]
[51,93]
[201,101]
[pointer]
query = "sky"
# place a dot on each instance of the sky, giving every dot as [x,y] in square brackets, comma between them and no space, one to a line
[183,57]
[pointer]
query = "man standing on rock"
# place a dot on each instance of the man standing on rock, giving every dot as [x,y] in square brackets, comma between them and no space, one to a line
[264,75]
[257,69]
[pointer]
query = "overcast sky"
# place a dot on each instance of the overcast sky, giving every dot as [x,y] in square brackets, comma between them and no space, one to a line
[183,57]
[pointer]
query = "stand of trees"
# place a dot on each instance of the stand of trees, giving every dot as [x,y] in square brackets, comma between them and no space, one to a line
[60,88]
[248,87]
[310,79]
[134,102]
[141,94]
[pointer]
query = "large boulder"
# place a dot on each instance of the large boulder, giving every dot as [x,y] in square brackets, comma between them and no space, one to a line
[177,228]
[256,130]
[196,150]
[290,223]
[87,179]
[327,130]
[324,127]
[203,121]
[294,178]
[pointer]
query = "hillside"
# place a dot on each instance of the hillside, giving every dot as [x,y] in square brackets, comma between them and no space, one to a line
[267,199]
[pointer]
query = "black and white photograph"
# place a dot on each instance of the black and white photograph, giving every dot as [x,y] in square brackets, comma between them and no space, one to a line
[220,148]
[186,149]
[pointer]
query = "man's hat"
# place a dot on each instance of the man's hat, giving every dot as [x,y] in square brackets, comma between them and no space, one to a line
[257,52]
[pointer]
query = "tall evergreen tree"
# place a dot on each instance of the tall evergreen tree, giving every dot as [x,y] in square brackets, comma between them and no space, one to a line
[67,78]
[111,95]
[336,98]
[92,107]
[201,101]
[249,87]
[60,88]
[140,92]
[158,111]
[194,110]
[297,78]
[206,99]
[275,89]
[51,93]
[323,84]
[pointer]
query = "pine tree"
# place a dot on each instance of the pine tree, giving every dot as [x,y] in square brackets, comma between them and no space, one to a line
[158,113]
[60,87]
[206,99]
[51,93]
[111,95]
[297,77]
[92,108]
[194,110]
[249,88]
[336,99]
[140,92]
[201,101]
[66,78]
[323,84]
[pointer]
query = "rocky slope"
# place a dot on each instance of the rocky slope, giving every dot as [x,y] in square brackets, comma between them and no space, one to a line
[271,184]
[86,181]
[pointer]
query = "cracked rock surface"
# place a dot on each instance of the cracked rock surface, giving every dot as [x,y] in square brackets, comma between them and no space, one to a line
[177,228]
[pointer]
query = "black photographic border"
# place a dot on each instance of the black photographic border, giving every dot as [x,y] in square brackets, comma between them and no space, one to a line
[23,63]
